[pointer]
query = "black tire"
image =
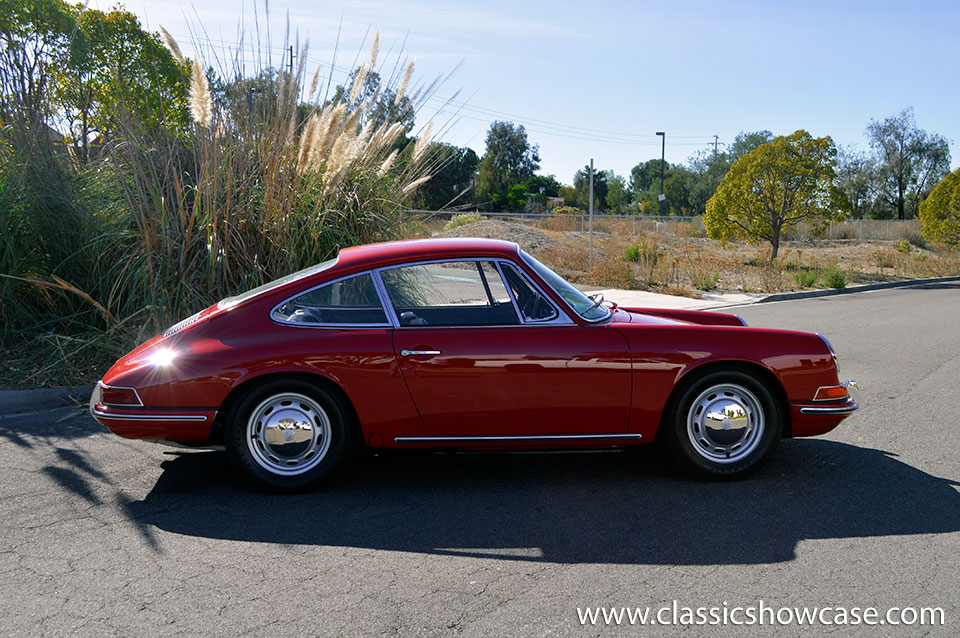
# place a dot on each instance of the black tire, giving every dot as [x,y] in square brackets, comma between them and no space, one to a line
[299,439]
[723,425]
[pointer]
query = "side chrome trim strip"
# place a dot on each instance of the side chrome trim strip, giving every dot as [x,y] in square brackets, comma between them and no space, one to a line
[148,417]
[480,439]
[847,409]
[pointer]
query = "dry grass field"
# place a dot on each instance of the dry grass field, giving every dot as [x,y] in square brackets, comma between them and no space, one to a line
[678,260]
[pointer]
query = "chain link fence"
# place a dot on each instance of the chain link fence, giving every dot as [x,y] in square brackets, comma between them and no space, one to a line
[854,229]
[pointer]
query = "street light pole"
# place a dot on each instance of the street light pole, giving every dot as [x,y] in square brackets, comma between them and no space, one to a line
[663,154]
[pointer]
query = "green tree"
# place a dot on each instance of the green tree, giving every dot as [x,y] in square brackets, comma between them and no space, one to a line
[551,187]
[646,176]
[581,183]
[677,186]
[569,195]
[940,211]
[34,43]
[452,181]
[118,72]
[381,103]
[676,189]
[618,195]
[774,187]
[909,161]
[746,141]
[508,161]
[855,177]
[708,168]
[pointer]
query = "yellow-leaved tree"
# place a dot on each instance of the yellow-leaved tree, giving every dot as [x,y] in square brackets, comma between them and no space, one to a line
[940,212]
[774,187]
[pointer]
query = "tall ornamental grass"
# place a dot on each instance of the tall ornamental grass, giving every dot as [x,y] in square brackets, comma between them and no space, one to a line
[275,171]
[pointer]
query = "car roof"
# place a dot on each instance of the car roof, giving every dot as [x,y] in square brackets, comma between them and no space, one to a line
[369,256]
[397,252]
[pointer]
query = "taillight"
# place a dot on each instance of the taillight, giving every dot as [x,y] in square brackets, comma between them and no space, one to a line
[113,395]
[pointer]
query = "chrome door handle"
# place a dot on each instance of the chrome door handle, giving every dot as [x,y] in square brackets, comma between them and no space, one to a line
[411,353]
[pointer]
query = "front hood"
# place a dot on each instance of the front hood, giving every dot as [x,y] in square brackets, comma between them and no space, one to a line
[670,316]
[632,316]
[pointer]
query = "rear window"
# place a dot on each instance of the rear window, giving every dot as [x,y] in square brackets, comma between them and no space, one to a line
[229,302]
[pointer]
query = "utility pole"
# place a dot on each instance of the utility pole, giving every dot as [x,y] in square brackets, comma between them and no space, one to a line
[591,213]
[291,62]
[716,141]
[663,154]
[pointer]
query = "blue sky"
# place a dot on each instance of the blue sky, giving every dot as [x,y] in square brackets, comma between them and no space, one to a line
[598,80]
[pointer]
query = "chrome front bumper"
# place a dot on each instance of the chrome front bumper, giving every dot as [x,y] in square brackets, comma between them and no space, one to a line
[846,407]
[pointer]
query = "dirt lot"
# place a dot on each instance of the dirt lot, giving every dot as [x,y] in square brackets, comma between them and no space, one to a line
[680,262]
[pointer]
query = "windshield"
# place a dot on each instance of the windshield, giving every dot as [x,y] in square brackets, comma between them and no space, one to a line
[229,302]
[581,304]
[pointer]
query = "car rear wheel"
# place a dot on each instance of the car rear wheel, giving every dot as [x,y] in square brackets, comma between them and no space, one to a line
[724,425]
[287,434]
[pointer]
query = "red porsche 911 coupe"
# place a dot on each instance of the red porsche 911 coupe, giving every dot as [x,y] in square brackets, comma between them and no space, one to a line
[464,344]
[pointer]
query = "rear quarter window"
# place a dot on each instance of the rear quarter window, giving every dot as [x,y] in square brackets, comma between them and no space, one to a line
[350,301]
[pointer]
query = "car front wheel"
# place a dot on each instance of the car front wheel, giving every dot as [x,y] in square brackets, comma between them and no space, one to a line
[287,434]
[724,425]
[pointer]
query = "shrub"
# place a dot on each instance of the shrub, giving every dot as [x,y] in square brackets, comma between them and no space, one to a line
[835,278]
[807,278]
[705,280]
[462,220]
[567,210]
[905,246]
[940,212]
[701,277]
[884,258]
[771,276]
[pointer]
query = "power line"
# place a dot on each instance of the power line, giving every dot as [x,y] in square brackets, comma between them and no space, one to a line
[534,125]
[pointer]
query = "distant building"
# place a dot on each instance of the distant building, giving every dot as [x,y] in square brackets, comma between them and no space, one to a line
[554,202]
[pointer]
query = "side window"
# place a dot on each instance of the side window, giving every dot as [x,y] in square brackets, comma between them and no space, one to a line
[350,301]
[533,305]
[458,293]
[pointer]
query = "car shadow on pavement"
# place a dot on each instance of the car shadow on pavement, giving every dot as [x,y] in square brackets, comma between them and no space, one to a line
[609,507]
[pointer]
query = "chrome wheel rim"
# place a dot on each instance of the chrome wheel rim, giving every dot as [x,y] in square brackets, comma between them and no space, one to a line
[288,434]
[725,423]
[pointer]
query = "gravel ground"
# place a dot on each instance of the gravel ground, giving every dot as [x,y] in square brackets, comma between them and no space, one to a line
[530,239]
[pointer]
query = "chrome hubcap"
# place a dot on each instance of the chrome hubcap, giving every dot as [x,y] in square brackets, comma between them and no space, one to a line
[288,434]
[725,423]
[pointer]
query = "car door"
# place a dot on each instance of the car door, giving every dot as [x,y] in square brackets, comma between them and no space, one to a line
[474,367]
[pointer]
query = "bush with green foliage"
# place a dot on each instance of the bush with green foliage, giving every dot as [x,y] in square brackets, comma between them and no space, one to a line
[940,212]
[165,221]
[773,188]
[834,278]
[462,220]
[807,278]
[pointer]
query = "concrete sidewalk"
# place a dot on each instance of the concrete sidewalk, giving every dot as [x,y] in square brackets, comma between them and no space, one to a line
[42,399]
[708,301]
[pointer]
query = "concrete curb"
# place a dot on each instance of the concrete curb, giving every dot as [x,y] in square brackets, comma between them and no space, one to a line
[14,402]
[828,292]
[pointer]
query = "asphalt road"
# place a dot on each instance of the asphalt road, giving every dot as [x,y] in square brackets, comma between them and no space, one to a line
[103,536]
